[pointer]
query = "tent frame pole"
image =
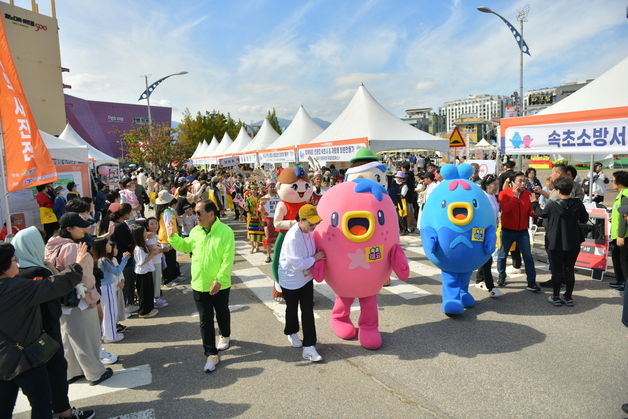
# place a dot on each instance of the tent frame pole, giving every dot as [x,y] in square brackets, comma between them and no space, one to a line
[5,190]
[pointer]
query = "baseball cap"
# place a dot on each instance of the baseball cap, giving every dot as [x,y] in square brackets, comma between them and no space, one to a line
[72,219]
[428,175]
[308,213]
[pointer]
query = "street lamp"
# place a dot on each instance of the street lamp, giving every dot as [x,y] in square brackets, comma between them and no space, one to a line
[149,89]
[522,16]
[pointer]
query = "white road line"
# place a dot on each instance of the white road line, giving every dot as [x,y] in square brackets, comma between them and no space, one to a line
[143,414]
[121,380]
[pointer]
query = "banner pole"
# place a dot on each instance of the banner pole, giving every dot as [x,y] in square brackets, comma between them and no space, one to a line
[5,191]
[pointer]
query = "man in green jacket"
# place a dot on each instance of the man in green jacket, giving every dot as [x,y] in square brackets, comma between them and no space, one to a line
[619,229]
[212,245]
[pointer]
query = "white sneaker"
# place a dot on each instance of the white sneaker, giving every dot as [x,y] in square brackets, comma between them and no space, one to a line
[118,338]
[106,358]
[161,303]
[309,353]
[211,363]
[131,309]
[223,344]
[481,285]
[496,292]
[150,314]
[295,341]
[512,270]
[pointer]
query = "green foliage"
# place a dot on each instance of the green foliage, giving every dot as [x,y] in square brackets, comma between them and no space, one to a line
[158,147]
[272,119]
[194,129]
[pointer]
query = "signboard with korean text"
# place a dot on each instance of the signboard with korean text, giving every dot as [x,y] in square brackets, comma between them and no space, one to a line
[332,151]
[248,158]
[229,161]
[278,156]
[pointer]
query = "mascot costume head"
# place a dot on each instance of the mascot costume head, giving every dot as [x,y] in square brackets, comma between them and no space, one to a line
[458,233]
[294,190]
[360,237]
[366,165]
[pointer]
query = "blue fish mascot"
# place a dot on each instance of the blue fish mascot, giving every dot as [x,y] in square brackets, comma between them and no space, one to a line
[458,234]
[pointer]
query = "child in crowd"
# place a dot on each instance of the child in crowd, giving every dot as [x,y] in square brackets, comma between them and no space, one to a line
[152,242]
[144,268]
[105,252]
[188,219]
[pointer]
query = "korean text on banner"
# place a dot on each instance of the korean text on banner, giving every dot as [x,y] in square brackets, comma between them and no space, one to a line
[28,162]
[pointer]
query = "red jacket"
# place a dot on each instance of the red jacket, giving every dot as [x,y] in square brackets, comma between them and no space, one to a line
[516,211]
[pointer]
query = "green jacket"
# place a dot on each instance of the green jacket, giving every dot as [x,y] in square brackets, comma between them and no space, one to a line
[212,255]
[618,223]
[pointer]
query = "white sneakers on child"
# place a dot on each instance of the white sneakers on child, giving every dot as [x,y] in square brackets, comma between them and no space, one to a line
[495,292]
[223,344]
[106,358]
[295,341]
[211,363]
[309,353]
[118,338]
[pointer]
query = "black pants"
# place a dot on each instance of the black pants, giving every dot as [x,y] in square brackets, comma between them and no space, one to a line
[50,229]
[303,297]
[129,282]
[206,305]
[617,261]
[171,271]
[34,384]
[516,258]
[563,262]
[146,292]
[57,368]
[485,275]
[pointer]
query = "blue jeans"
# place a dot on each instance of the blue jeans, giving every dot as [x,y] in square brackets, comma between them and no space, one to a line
[523,244]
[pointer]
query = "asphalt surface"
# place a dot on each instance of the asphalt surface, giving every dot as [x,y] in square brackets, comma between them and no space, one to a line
[515,356]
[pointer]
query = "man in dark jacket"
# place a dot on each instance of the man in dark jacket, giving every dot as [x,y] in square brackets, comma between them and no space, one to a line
[564,237]
[516,208]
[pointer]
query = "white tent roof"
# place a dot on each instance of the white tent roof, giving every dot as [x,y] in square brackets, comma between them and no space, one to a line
[609,90]
[300,131]
[199,148]
[241,141]
[62,150]
[484,144]
[213,145]
[365,117]
[265,137]
[98,157]
[224,145]
[202,150]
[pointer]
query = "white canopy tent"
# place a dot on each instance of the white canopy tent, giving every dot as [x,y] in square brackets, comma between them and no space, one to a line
[366,123]
[591,121]
[223,146]
[62,150]
[96,156]
[197,157]
[265,137]
[300,131]
[240,142]
[198,148]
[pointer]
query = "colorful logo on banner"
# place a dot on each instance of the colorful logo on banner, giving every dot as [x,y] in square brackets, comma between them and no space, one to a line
[517,141]
[28,162]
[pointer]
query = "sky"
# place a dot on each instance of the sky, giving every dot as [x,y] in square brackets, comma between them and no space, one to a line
[248,56]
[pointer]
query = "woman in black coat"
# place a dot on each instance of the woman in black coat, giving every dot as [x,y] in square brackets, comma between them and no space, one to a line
[20,323]
[564,237]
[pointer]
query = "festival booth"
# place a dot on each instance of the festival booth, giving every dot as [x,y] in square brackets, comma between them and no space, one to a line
[97,157]
[300,131]
[265,137]
[232,158]
[197,150]
[221,149]
[366,123]
[207,153]
[591,121]
[72,164]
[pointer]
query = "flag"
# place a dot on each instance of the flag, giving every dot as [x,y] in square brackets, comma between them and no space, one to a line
[28,162]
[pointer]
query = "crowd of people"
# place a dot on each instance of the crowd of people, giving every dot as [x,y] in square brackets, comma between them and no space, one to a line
[111,256]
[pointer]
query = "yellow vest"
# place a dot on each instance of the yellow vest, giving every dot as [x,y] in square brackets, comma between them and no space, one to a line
[163,233]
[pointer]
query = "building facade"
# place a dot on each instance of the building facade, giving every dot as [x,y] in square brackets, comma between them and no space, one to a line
[102,123]
[34,41]
[485,107]
[538,99]
[425,120]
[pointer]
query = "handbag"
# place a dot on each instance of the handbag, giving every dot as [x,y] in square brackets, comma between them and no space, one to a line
[40,351]
[47,215]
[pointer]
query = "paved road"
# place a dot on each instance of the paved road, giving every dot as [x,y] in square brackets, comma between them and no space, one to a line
[516,356]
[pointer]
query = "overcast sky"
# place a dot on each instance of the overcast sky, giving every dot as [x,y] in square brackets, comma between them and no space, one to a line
[247,56]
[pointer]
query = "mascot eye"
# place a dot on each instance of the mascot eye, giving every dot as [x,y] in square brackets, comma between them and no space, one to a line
[379,179]
[443,203]
[475,203]
[380,217]
[295,187]
[307,186]
[334,219]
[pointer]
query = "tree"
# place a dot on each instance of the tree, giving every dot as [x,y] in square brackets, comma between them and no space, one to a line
[194,129]
[272,120]
[157,146]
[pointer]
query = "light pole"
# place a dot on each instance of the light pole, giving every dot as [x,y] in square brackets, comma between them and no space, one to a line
[522,16]
[149,89]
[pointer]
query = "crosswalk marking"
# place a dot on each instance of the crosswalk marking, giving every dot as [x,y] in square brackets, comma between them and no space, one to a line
[142,414]
[121,380]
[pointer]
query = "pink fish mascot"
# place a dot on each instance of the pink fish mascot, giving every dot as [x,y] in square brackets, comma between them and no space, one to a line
[360,237]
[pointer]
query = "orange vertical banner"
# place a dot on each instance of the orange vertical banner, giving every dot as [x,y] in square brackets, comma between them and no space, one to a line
[28,162]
